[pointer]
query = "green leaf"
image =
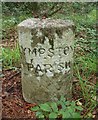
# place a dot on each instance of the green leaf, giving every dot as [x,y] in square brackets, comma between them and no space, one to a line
[60,112]
[71,109]
[76,115]
[53,115]
[79,108]
[73,103]
[67,103]
[36,108]
[38,113]
[63,105]
[62,99]
[45,107]
[41,116]
[66,114]
[54,107]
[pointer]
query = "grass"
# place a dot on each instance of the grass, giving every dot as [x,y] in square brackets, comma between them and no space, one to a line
[87,64]
[85,55]
[88,91]
[11,21]
[11,57]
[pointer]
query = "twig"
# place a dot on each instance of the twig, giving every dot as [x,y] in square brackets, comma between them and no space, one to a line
[55,11]
[14,75]
[45,13]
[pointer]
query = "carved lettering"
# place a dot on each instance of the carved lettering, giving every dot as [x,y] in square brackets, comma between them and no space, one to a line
[66,49]
[38,68]
[56,65]
[41,50]
[67,64]
[61,67]
[29,66]
[51,52]
[48,67]
[34,51]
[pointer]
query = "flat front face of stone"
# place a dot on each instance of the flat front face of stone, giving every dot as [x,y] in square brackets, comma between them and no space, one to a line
[47,56]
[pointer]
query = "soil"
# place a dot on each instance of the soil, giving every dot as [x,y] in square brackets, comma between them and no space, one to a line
[13,104]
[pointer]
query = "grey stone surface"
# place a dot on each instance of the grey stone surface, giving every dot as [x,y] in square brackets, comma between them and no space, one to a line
[46,59]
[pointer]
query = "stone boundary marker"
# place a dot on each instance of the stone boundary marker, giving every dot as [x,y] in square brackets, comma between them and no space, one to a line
[46,47]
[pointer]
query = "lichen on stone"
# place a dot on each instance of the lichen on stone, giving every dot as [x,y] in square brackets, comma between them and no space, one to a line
[47,59]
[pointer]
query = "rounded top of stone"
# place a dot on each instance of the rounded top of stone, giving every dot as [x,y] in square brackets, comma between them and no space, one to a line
[45,23]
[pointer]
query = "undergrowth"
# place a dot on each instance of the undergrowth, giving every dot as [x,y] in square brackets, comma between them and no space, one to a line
[10,57]
[84,56]
[61,109]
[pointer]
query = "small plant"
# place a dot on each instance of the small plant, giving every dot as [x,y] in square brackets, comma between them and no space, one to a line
[10,57]
[60,109]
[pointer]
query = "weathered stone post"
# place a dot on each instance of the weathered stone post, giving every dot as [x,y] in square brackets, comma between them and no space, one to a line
[46,47]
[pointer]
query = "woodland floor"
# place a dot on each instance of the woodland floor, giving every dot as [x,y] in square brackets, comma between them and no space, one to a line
[13,104]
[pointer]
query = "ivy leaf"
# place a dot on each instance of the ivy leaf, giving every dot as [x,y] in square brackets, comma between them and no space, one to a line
[54,107]
[36,108]
[45,107]
[53,115]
